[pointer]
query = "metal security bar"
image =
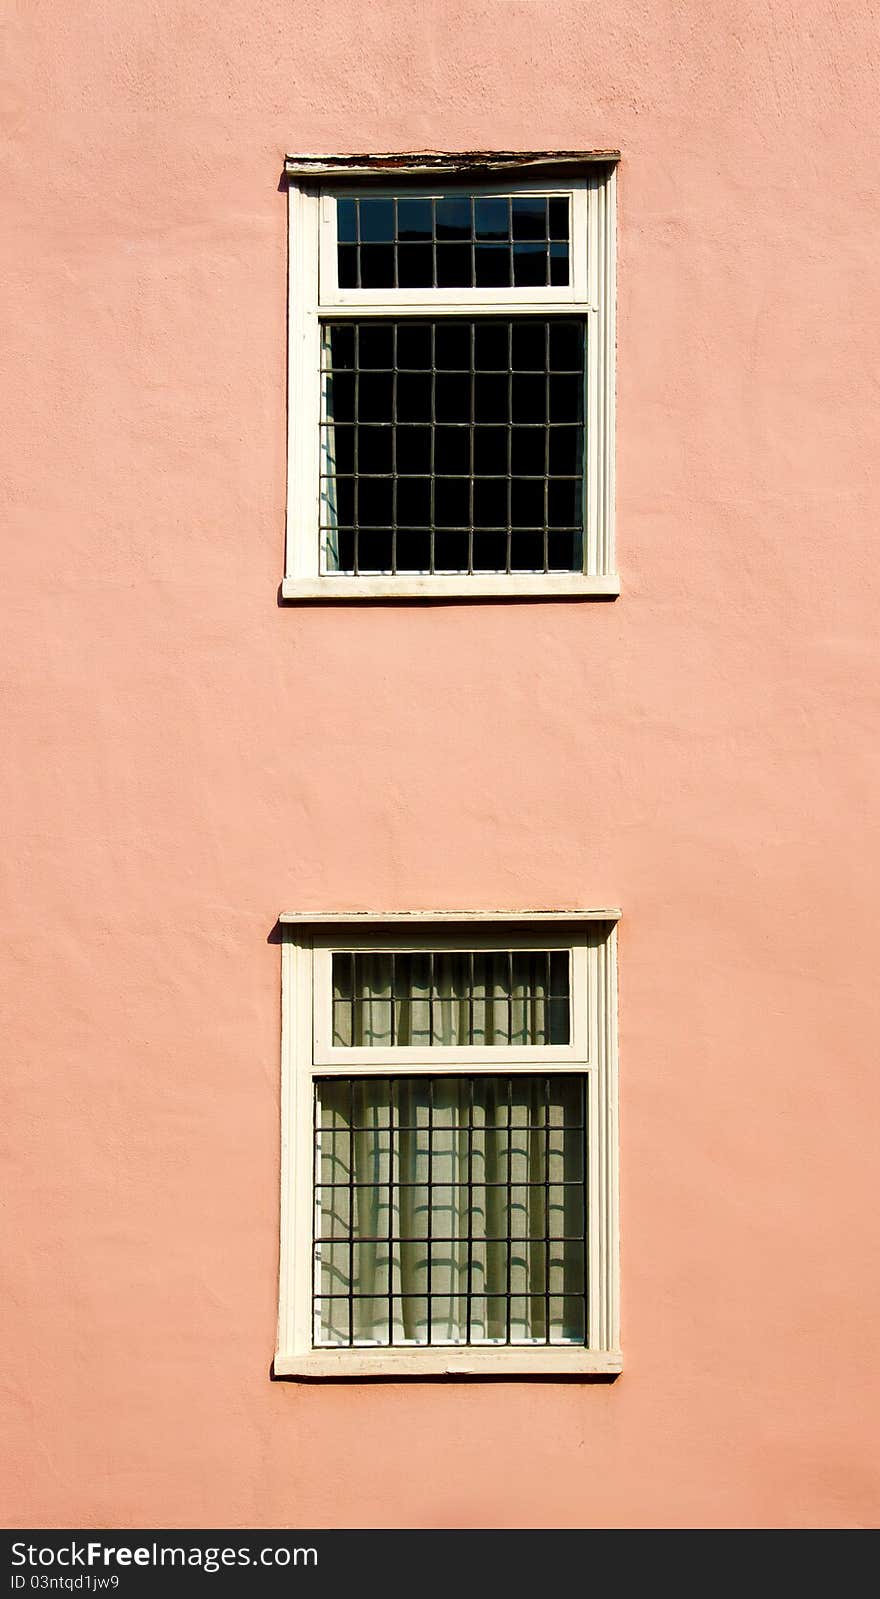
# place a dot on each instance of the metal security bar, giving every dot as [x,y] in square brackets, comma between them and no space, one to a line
[450,1210]
[456,241]
[453,445]
[444,997]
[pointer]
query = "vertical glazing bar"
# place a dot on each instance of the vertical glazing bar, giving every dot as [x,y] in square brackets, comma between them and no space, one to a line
[434,244]
[391,998]
[509,1206]
[510,996]
[430,1202]
[316,1195]
[473,244]
[584,1115]
[470,1212]
[431,998]
[350,1211]
[392,1150]
[357,234]
[548,995]
[470,1037]
[546,1210]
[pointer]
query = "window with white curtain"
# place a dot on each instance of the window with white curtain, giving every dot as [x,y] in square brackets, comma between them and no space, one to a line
[449,1185]
[451,376]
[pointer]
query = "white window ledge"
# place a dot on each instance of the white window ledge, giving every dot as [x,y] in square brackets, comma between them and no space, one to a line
[481,586]
[494,1361]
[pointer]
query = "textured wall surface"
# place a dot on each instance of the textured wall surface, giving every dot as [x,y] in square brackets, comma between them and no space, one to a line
[182,758]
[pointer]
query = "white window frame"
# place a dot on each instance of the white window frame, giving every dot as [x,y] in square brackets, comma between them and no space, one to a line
[307,1052]
[314,296]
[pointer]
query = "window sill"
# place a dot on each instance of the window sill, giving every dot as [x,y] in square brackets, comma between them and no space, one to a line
[480,586]
[522,1361]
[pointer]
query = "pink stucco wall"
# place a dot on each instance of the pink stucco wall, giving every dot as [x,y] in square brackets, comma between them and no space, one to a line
[182,758]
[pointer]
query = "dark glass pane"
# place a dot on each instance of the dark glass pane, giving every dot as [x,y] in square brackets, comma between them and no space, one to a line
[527,450]
[558,216]
[565,552]
[490,552]
[492,266]
[527,502]
[338,448]
[527,550]
[490,502]
[376,344]
[414,219]
[414,501]
[453,217]
[564,502]
[453,346]
[452,502]
[491,346]
[566,450]
[490,450]
[344,550]
[374,449]
[454,266]
[452,397]
[529,216]
[413,550]
[492,218]
[415,266]
[374,552]
[566,398]
[339,347]
[450,552]
[452,450]
[348,266]
[558,265]
[337,495]
[413,449]
[339,393]
[529,398]
[529,346]
[377,221]
[566,346]
[375,395]
[414,345]
[377,266]
[530,265]
[414,396]
[346,221]
[490,397]
[374,501]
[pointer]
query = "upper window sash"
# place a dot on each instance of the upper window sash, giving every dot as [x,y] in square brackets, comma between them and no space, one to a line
[581,291]
[578,1053]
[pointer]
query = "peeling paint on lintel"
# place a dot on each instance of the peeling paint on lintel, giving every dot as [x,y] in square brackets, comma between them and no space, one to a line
[419,161]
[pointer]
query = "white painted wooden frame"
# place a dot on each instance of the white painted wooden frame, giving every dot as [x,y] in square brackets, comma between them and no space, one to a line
[307,946]
[314,296]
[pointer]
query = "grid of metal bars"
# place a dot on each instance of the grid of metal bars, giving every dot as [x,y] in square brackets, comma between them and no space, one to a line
[456,241]
[552,1317]
[496,998]
[453,445]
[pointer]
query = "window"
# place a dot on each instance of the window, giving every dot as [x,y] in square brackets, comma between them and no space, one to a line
[451,378]
[449,1149]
